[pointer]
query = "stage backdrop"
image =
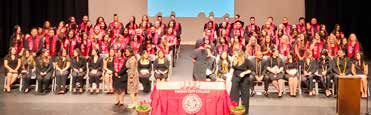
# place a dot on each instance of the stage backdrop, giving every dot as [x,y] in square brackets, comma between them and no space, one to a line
[192,26]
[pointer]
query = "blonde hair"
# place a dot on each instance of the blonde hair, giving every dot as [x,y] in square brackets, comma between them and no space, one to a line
[27,60]
[239,59]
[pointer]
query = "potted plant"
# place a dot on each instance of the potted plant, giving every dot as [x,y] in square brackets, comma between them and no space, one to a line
[237,109]
[143,108]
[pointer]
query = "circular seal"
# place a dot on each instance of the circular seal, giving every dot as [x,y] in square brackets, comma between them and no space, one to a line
[191,103]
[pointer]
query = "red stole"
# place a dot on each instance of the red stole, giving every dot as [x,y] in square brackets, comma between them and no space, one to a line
[287,29]
[112,25]
[318,46]
[65,44]
[252,27]
[284,49]
[136,46]
[150,50]
[86,47]
[117,46]
[299,51]
[170,38]
[83,26]
[177,27]
[125,40]
[242,32]
[18,44]
[301,28]
[103,46]
[116,31]
[332,51]
[221,48]
[51,44]
[34,43]
[118,63]
[353,48]
[252,50]
[73,44]
[131,32]
[155,38]
[314,29]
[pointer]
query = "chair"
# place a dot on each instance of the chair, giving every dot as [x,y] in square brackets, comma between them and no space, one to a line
[71,79]
[86,77]
[19,77]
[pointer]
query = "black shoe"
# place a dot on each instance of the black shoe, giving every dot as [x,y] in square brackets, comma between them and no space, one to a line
[252,94]
[266,94]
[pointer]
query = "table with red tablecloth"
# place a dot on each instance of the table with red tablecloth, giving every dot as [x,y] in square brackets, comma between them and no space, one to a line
[190,98]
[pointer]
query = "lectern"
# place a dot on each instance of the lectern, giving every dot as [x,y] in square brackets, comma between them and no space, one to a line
[349,94]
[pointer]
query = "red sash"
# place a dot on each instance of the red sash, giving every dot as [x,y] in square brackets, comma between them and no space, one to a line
[136,46]
[284,49]
[353,48]
[72,46]
[103,46]
[222,48]
[318,46]
[332,51]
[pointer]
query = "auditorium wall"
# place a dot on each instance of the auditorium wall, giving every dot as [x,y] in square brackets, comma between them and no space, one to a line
[192,27]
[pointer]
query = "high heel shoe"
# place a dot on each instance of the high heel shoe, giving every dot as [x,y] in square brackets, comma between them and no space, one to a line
[132,106]
[280,94]
[81,91]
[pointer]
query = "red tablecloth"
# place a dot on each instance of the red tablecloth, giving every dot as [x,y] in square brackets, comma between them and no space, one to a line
[173,98]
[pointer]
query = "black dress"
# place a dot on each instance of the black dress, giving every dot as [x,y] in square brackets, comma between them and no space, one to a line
[144,78]
[161,67]
[12,63]
[120,84]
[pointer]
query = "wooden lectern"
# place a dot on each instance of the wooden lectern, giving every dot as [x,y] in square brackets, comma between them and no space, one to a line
[348,96]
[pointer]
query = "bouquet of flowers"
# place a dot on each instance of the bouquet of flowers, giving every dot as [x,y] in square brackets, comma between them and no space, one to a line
[143,108]
[237,109]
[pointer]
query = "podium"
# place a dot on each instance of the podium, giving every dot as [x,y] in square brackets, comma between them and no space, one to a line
[348,96]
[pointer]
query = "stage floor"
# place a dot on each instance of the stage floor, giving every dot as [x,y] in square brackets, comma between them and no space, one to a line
[19,104]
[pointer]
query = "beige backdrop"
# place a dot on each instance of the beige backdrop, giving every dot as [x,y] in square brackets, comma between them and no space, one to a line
[192,27]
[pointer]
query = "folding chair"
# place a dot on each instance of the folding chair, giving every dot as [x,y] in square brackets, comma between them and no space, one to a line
[299,82]
[86,77]
[19,77]
[71,79]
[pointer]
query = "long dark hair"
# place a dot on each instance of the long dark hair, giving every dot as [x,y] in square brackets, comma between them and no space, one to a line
[131,50]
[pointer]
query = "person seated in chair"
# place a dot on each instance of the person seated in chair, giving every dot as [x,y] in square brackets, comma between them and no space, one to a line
[145,71]
[259,73]
[275,72]
[323,71]
[360,68]
[161,66]
[12,64]
[309,70]
[341,67]
[78,66]
[292,72]
[44,68]
[95,71]
[28,67]
[62,71]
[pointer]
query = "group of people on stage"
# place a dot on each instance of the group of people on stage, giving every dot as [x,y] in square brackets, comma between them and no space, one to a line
[122,56]
[244,54]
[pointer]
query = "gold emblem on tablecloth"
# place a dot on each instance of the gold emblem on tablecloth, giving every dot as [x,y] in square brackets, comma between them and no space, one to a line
[191,103]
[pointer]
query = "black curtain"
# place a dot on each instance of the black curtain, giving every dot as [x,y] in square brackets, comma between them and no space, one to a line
[352,15]
[32,13]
